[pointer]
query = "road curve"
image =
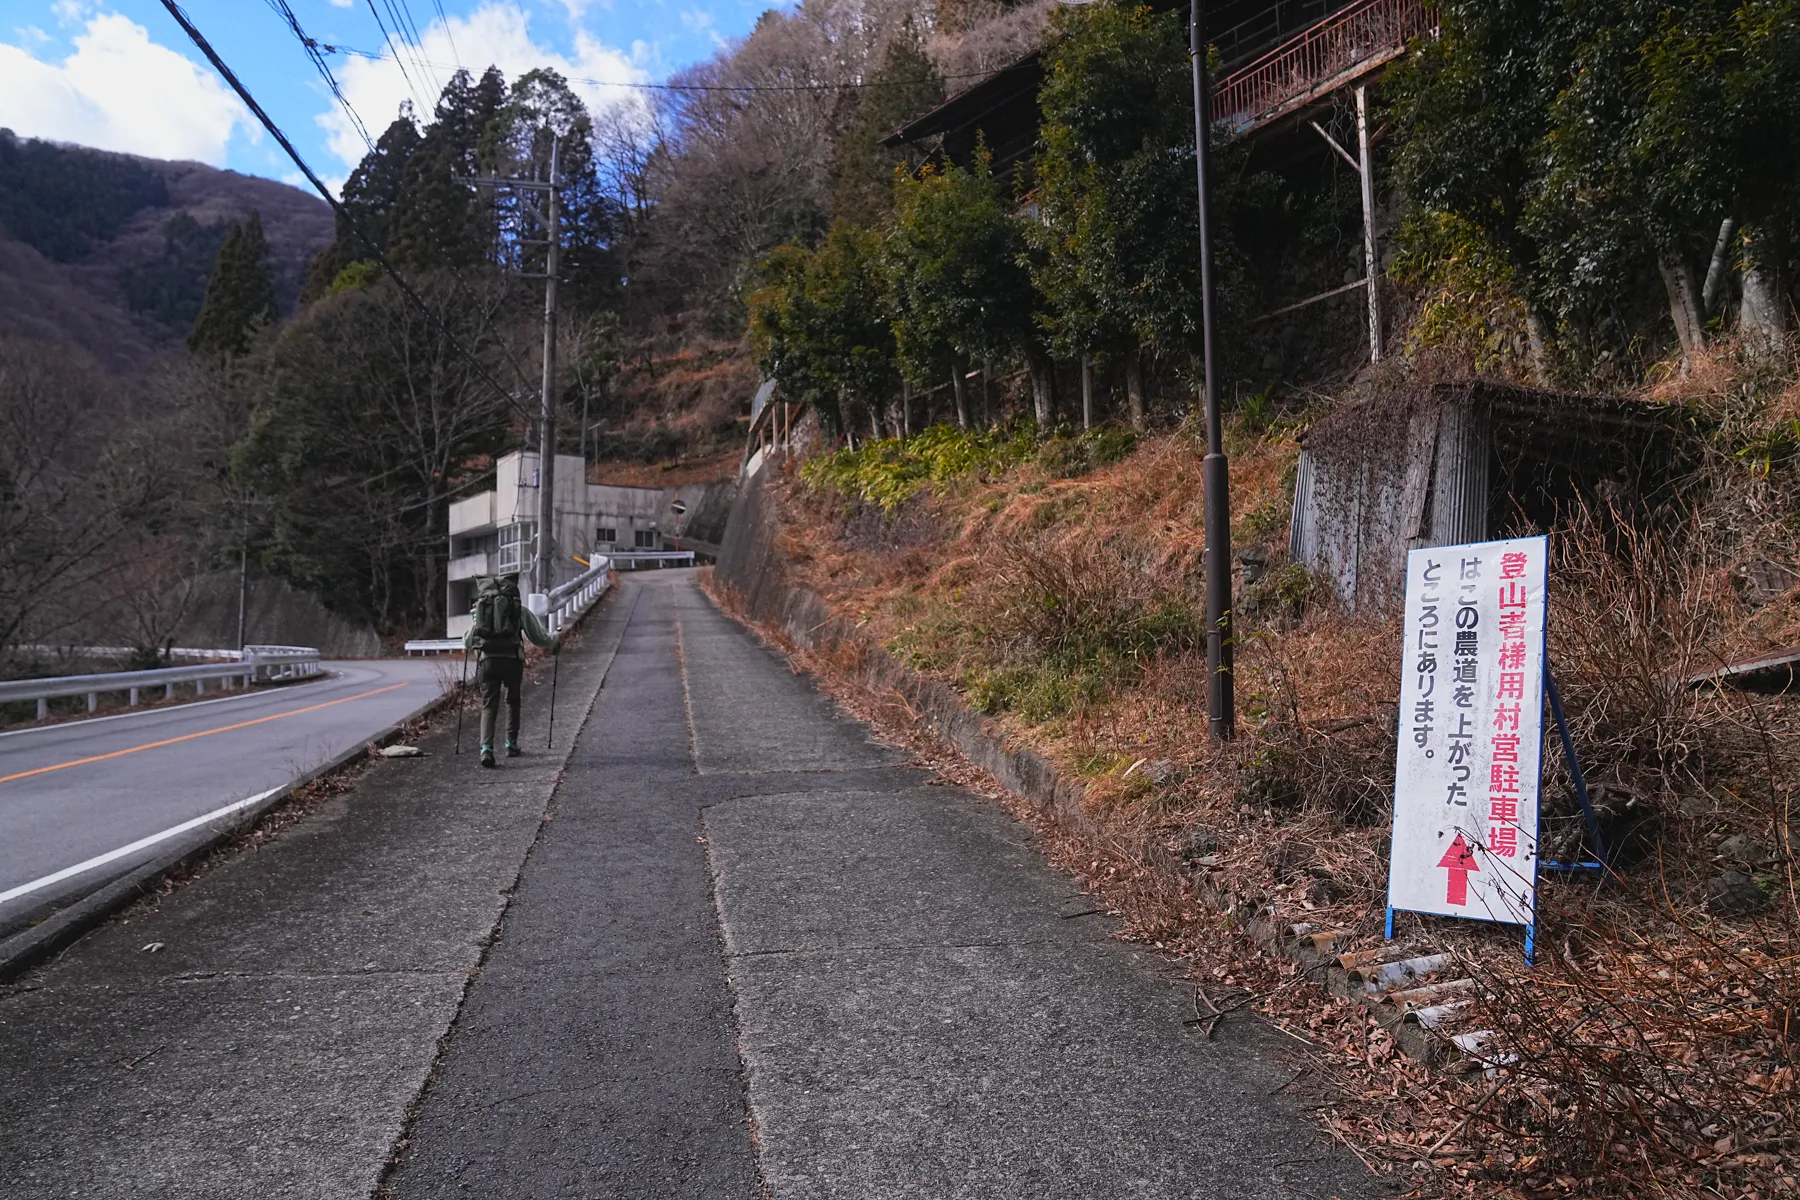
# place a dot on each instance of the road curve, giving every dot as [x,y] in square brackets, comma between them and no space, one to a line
[86,790]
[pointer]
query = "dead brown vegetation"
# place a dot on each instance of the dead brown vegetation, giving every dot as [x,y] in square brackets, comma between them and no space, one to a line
[1651,1051]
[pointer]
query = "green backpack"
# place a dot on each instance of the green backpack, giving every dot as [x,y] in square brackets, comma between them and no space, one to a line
[498,619]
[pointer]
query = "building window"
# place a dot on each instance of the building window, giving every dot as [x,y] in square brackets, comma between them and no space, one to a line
[515,547]
[645,539]
[605,536]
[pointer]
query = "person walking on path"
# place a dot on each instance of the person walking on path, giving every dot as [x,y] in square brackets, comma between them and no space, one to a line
[501,618]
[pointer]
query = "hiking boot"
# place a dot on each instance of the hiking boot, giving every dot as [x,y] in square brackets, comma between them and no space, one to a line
[487,756]
[512,748]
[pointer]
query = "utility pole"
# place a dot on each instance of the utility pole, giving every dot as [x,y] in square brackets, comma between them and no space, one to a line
[543,571]
[544,577]
[1365,168]
[1215,476]
[243,576]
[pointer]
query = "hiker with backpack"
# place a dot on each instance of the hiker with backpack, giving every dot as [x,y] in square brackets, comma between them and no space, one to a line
[500,619]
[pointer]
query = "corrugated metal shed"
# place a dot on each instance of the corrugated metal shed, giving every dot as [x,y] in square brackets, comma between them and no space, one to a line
[1465,462]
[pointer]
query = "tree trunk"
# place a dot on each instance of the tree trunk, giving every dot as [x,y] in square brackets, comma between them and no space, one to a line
[1763,314]
[1087,392]
[905,408]
[845,423]
[1134,387]
[1720,264]
[1537,344]
[874,420]
[1684,303]
[987,405]
[1043,393]
[959,389]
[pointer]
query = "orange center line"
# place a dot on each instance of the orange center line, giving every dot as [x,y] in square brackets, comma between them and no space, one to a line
[188,737]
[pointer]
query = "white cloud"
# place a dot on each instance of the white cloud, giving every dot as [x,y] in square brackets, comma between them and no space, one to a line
[700,21]
[495,33]
[120,91]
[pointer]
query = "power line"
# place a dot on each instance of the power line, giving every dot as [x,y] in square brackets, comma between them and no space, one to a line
[317,55]
[445,22]
[409,33]
[389,39]
[337,207]
[376,56]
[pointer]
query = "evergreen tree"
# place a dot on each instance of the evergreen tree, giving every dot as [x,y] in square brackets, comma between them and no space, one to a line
[369,197]
[818,322]
[542,111]
[862,169]
[240,295]
[438,219]
[1117,251]
[957,284]
[433,221]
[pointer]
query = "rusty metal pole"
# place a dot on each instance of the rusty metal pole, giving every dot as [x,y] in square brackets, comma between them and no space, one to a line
[1215,477]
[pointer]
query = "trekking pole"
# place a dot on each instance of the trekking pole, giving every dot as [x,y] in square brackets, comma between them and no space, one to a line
[462,696]
[555,669]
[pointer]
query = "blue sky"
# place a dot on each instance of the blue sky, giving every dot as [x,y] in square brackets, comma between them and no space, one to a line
[121,74]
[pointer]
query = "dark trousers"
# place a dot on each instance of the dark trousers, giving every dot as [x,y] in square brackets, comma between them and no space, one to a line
[494,674]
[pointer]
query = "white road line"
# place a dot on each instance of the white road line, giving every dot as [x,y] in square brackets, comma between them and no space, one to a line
[164,711]
[100,860]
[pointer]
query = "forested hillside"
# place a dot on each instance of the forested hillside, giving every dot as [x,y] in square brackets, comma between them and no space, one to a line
[111,253]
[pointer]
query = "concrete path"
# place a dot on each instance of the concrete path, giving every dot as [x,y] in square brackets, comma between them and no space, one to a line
[750,952]
[80,792]
[754,948]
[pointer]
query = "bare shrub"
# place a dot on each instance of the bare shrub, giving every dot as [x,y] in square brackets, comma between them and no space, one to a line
[1638,1052]
[1635,609]
[1080,600]
[986,35]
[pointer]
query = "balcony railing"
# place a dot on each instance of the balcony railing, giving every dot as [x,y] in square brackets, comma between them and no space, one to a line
[468,566]
[1317,62]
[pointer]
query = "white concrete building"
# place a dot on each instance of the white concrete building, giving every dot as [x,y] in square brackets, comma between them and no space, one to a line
[493,533]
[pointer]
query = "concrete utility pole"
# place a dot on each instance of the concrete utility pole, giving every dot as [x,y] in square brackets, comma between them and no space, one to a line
[1215,477]
[1365,167]
[1087,392]
[544,574]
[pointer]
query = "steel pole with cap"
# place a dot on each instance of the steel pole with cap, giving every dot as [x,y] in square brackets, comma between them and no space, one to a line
[1215,480]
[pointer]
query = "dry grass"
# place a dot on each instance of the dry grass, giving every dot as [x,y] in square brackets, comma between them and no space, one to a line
[691,403]
[1653,1046]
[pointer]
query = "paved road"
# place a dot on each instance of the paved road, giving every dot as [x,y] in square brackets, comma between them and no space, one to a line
[81,791]
[724,946]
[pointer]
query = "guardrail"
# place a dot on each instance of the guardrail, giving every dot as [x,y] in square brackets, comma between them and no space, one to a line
[173,652]
[264,664]
[573,598]
[562,607]
[631,560]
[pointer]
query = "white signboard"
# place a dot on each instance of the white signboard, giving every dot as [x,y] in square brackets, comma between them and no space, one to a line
[1471,732]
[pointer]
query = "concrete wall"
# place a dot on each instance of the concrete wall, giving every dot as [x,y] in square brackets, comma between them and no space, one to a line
[1465,462]
[276,614]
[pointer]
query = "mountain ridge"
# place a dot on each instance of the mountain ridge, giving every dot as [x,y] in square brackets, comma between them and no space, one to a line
[124,285]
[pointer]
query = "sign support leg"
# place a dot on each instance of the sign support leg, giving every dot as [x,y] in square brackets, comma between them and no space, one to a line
[1390,923]
[1581,789]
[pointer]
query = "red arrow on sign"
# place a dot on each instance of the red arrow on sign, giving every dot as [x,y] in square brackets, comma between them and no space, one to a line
[1459,860]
